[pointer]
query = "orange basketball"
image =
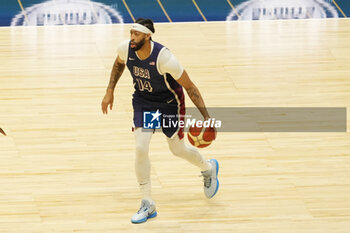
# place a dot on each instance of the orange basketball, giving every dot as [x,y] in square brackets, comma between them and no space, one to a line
[201,137]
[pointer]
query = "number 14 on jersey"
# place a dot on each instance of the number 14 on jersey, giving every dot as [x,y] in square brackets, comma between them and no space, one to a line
[144,85]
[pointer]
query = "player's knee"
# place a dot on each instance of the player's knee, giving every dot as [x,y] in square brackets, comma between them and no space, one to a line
[177,150]
[141,150]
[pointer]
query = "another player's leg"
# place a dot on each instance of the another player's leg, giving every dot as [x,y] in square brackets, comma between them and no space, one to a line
[209,169]
[143,175]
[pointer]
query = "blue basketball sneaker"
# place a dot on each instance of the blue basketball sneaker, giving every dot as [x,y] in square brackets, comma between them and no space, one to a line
[146,211]
[210,179]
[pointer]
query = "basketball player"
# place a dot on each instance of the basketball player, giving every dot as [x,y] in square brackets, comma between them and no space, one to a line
[159,80]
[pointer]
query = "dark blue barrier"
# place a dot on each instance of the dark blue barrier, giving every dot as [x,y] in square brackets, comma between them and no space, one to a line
[61,12]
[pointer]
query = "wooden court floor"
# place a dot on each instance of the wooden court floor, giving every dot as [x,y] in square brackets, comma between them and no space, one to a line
[66,167]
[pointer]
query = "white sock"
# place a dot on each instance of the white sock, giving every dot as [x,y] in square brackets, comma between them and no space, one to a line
[142,162]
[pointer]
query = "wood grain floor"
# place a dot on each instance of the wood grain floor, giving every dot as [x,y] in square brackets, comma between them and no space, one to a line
[65,167]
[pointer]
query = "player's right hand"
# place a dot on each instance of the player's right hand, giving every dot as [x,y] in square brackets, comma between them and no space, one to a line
[107,100]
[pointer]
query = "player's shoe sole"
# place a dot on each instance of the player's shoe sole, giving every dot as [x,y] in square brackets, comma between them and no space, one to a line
[211,181]
[144,219]
[217,180]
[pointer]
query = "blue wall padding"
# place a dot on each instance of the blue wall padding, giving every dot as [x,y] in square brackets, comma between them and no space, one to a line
[147,9]
[211,8]
[345,6]
[182,10]
[178,10]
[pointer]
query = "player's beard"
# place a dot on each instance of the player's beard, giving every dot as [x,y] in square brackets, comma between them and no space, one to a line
[139,45]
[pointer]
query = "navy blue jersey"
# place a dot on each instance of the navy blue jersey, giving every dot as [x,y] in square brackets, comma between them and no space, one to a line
[154,90]
[149,84]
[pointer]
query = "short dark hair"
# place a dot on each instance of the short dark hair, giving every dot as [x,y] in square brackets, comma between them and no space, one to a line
[148,23]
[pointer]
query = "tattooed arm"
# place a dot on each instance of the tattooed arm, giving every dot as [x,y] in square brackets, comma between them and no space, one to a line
[117,71]
[193,93]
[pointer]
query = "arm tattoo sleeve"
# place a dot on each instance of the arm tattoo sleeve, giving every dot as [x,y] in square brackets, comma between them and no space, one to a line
[117,71]
[197,99]
[193,94]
